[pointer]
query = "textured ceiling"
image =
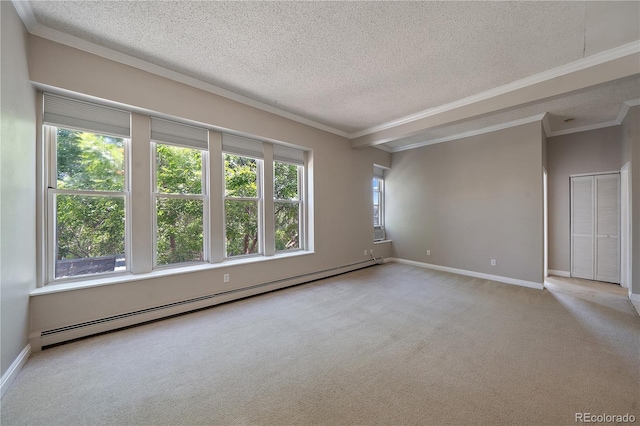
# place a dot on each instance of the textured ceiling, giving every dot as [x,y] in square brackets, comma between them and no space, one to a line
[351,65]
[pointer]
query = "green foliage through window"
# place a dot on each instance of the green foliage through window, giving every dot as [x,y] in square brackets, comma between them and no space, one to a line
[179,220]
[180,236]
[87,161]
[90,229]
[287,214]
[242,216]
[178,170]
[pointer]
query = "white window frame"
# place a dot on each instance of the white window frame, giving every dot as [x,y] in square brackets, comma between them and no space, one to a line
[49,134]
[380,193]
[299,202]
[204,197]
[259,199]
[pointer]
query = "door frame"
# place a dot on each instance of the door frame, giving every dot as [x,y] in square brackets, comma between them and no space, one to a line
[625,228]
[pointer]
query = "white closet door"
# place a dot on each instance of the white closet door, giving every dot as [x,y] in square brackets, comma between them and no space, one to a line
[607,228]
[582,227]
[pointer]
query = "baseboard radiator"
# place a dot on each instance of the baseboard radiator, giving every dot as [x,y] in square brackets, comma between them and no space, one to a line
[56,336]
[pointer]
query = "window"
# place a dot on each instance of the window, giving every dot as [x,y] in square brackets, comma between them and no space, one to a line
[287,205]
[180,201]
[92,223]
[87,188]
[180,192]
[242,205]
[378,205]
[88,198]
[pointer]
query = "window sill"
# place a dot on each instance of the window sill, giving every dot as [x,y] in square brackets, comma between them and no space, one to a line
[382,241]
[96,282]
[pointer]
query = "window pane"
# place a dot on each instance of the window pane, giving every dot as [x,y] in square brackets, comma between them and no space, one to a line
[178,170]
[376,196]
[179,234]
[242,227]
[241,176]
[375,184]
[89,161]
[89,234]
[287,226]
[285,182]
[376,216]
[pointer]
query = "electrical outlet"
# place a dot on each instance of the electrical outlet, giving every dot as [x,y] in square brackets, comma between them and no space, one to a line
[493,262]
[226,278]
[428,252]
[365,252]
[371,252]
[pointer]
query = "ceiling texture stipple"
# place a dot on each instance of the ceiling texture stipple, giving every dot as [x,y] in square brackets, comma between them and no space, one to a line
[356,65]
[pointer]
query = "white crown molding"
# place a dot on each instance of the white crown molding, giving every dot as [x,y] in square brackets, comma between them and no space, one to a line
[384,148]
[506,280]
[26,14]
[595,126]
[624,109]
[28,18]
[489,129]
[581,64]
[622,113]
[546,126]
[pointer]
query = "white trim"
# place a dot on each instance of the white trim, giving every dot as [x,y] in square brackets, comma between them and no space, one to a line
[382,147]
[57,287]
[595,126]
[622,113]
[546,126]
[35,28]
[382,242]
[613,172]
[476,132]
[580,64]
[634,297]
[12,372]
[624,109]
[506,280]
[559,273]
[26,14]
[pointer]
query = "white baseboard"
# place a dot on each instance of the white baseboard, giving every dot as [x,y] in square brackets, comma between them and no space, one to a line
[559,273]
[635,301]
[506,280]
[10,375]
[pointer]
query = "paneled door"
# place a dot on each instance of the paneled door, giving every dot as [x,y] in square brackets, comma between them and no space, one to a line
[595,227]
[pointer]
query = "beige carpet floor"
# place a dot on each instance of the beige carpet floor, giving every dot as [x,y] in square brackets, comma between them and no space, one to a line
[387,345]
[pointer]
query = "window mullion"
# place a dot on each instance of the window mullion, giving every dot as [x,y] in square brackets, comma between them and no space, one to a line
[216,200]
[142,154]
[268,230]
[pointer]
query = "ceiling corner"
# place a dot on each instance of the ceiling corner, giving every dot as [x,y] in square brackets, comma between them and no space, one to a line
[26,14]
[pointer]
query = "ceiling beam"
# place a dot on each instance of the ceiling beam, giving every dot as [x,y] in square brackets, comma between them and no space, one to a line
[623,61]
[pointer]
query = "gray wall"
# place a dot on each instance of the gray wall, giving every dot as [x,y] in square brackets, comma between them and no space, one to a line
[631,144]
[341,185]
[469,201]
[17,196]
[585,152]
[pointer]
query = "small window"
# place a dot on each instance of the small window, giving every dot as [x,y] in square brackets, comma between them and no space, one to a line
[88,194]
[180,204]
[242,205]
[287,205]
[378,209]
